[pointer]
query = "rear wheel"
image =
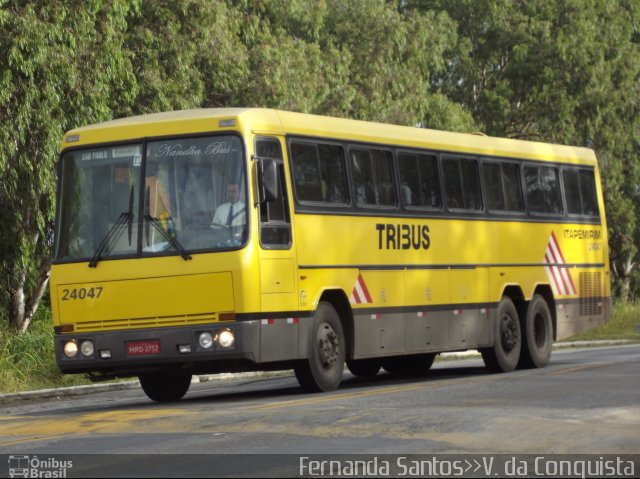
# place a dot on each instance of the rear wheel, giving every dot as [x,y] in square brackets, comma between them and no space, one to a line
[505,353]
[537,330]
[415,364]
[322,370]
[165,387]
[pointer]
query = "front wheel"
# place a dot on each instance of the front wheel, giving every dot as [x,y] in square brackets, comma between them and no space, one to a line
[323,368]
[505,353]
[165,387]
[538,334]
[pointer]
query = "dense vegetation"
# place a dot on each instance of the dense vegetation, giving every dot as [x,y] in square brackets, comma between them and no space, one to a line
[564,71]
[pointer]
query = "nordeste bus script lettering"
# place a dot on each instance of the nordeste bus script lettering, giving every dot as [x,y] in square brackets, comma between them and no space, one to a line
[403,236]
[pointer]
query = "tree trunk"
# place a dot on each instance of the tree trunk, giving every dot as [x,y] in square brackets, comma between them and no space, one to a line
[24,308]
[16,315]
[36,296]
[625,287]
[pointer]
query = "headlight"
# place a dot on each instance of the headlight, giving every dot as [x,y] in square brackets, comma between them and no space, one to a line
[225,338]
[86,348]
[205,340]
[70,349]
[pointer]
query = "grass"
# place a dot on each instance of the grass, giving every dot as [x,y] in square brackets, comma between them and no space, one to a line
[27,361]
[622,325]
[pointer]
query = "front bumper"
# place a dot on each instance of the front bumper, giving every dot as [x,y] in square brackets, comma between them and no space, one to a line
[244,350]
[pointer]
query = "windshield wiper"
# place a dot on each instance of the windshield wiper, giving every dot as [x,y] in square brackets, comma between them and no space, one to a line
[155,222]
[113,232]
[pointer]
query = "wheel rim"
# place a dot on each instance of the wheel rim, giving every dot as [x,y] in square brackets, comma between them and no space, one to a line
[508,332]
[328,346]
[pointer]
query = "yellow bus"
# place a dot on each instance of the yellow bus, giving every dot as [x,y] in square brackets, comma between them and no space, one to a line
[217,240]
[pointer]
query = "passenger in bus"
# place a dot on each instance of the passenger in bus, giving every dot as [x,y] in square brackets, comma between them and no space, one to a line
[406,194]
[231,213]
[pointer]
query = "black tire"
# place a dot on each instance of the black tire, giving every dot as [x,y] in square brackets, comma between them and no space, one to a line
[322,370]
[365,368]
[165,387]
[504,355]
[537,328]
[415,364]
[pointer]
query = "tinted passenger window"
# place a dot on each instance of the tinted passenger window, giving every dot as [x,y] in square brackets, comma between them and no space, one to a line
[373,178]
[319,173]
[419,185]
[572,191]
[462,184]
[543,189]
[503,187]
[588,193]
[580,192]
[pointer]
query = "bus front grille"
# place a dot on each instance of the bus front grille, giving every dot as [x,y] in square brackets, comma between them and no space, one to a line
[151,322]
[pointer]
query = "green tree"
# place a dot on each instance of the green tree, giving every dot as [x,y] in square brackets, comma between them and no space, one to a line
[563,71]
[60,66]
[358,58]
[289,68]
[65,65]
[185,54]
[393,56]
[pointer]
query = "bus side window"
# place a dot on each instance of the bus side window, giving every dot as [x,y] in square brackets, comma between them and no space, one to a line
[471,184]
[493,187]
[572,191]
[319,174]
[419,183]
[588,192]
[373,178]
[580,192]
[275,222]
[503,189]
[385,182]
[452,183]
[462,183]
[334,175]
[543,189]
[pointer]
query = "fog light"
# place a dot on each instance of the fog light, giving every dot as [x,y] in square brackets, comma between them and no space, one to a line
[86,348]
[71,349]
[225,338]
[205,340]
[184,348]
[105,353]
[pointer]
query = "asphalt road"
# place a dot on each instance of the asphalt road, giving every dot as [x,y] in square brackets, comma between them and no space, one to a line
[585,401]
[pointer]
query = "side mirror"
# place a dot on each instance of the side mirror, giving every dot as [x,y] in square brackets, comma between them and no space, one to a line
[267,180]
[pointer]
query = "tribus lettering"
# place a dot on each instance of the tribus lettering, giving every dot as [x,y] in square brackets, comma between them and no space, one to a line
[399,236]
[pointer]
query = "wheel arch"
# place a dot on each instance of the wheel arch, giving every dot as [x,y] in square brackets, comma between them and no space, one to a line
[514,293]
[338,299]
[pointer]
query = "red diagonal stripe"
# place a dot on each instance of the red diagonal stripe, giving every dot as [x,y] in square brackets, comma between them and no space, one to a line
[557,245]
[553,273]
[364,289]
[565,273]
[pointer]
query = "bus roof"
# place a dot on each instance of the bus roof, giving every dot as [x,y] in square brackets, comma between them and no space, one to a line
[269,121]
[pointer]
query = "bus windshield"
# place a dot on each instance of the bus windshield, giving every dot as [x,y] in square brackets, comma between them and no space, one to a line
[181,194]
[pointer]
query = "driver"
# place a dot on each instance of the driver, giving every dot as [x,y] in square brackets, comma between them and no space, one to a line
[231,213]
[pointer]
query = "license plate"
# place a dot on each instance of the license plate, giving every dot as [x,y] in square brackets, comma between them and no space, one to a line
[141,348]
